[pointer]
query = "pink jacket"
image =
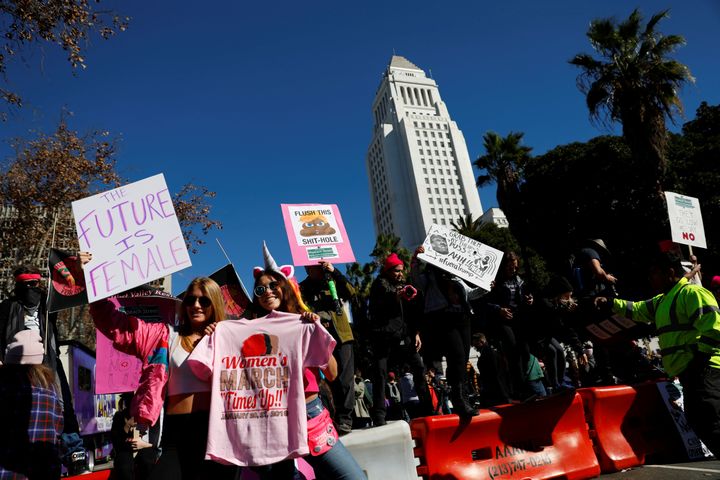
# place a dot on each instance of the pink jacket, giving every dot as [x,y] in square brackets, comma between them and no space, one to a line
[146,341]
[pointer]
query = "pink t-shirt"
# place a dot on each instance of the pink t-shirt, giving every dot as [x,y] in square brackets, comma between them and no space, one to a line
[257,407]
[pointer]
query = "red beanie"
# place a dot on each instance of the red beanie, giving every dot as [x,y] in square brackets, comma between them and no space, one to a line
[392,261]
[715,283]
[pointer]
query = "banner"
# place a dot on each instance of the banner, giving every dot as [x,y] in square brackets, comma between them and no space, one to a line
[234,294]
[686,224]
[118,372]
[133,234]
[316,232]
[67,281]
[462,256]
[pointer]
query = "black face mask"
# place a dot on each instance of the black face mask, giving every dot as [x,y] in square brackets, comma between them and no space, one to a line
[29,296]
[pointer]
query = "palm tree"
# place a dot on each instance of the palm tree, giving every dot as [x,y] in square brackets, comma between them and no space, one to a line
[467,226]
[387,244]
[504,162]
[361,277]
[634,82]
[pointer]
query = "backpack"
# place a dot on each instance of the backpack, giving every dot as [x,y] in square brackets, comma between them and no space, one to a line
[393,394]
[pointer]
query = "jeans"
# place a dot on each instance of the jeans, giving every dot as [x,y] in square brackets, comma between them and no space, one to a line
[336,463]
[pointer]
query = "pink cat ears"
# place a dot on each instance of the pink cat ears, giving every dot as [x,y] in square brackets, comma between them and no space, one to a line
[287,271]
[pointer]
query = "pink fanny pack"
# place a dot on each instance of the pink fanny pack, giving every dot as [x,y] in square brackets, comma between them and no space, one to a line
[322,435]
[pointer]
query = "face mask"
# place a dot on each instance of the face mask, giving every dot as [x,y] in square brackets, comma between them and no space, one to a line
[30,296]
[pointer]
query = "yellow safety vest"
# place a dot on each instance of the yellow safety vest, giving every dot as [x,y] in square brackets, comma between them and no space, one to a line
[687,320]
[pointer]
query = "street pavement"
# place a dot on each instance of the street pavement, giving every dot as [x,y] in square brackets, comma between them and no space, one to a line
[705,470]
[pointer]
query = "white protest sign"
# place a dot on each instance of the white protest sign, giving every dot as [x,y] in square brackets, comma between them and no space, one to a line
[673,398]
[686,224]
[462,256]
[133,234]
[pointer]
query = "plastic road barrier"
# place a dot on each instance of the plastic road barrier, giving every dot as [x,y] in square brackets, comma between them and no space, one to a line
[543,439]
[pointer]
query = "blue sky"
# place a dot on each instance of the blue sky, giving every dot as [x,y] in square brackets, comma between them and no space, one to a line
[269,104]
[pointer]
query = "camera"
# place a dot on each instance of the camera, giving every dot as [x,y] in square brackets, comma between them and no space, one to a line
[408,292]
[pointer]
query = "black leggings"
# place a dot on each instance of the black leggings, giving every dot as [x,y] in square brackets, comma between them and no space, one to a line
[451,338]
[183,444]
[553,355]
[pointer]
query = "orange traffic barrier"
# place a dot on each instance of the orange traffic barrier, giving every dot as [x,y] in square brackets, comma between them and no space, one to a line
[544,439]
[99,475]
[630,426]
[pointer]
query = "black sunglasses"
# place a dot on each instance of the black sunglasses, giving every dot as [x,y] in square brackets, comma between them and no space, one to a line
[260,289]
[189,301]
[31,283]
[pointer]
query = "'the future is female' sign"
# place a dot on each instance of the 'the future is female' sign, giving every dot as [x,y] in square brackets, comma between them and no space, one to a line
[133,234]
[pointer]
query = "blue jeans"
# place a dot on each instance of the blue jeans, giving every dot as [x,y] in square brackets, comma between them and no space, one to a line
[336,463]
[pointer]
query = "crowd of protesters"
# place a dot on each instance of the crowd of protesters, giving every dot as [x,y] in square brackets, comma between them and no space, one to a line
[413,346]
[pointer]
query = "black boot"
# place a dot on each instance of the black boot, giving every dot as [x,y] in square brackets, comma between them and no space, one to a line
[461,402]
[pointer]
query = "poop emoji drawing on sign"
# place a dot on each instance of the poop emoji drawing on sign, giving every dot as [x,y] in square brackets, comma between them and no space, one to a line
[315,225]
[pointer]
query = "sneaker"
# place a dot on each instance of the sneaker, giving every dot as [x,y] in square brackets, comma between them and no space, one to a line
[343,428]
[78,463]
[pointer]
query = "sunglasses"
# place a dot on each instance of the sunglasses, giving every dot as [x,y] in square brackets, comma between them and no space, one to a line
[189,301]
[261,289]
[32,283]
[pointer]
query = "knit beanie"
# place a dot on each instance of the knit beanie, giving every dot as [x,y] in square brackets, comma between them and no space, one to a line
[715,283]
[392,261]
[26,348]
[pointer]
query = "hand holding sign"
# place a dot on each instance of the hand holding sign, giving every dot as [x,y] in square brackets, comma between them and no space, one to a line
[316,232]
[469,259]
[134,235]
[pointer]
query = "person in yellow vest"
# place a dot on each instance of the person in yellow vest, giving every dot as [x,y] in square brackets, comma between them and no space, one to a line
[687,322]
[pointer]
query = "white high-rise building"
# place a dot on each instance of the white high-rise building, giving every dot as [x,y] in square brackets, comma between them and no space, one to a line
[418,164]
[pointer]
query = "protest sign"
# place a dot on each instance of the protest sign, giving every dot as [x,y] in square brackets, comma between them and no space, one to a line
[118,372]
[462,256]
[233,290]
[673,399]
[614,329]
[67,281]
[316,232]
[133,234]
[686,224]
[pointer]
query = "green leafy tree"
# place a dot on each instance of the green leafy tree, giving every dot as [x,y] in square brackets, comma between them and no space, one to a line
[693,159]
[387,244]
[37,187]
[634,81]
[504,163]
[565,205]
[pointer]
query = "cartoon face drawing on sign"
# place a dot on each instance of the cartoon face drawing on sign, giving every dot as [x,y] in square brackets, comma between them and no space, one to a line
[483,263]
[439,244]
[66,280]
[315,225]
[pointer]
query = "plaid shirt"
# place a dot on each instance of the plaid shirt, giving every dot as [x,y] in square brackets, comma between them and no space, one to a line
[32,422]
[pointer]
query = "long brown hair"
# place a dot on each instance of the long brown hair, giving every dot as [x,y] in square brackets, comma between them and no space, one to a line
[210,289]
[39,376]
[290,302]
